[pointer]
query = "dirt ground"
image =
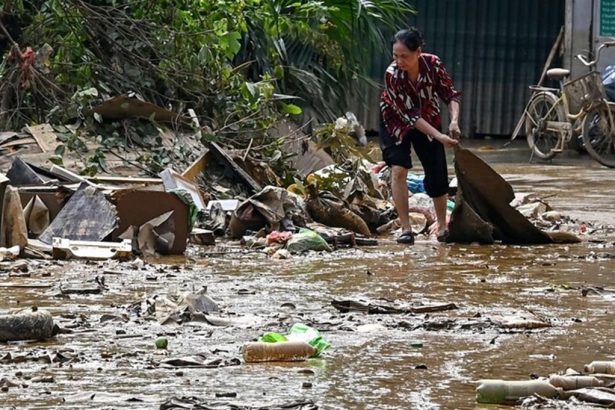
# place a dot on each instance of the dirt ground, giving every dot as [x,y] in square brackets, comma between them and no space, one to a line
[521,311]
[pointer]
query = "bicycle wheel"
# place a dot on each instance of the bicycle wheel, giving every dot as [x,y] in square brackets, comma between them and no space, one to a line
[599,135]
[543,107]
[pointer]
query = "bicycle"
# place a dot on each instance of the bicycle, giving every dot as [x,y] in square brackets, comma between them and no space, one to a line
[550,124]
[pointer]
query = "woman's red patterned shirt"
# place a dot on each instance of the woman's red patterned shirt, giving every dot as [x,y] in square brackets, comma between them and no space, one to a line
[404,101]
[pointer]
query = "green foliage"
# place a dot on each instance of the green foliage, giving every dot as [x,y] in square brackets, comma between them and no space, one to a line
[336,139]
[236,63]
[320,50]
[333,181]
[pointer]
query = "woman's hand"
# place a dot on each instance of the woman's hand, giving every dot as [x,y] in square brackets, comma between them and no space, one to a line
[453,130]
[446,140]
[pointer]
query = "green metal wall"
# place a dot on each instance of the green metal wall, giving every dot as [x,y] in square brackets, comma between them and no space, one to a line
[494,50]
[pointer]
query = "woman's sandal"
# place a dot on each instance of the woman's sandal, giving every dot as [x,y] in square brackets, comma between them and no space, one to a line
[406,237]
[443,236]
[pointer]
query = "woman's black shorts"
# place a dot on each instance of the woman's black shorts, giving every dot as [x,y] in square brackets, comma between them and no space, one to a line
[431,154]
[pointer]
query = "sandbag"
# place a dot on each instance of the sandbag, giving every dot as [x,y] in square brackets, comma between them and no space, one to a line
[31,325]
[328,210]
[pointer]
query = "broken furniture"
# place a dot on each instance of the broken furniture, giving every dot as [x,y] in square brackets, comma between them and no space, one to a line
[67,248]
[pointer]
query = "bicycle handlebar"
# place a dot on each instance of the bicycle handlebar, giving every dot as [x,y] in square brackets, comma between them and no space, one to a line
[586,63]
[582,59]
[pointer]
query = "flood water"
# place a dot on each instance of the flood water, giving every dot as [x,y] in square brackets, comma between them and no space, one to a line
[372,363]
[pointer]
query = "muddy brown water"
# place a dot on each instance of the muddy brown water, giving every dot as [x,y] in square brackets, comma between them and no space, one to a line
[371,364]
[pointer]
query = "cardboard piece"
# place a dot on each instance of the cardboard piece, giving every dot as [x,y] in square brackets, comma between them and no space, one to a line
[14,230]
[36,215]
[157,235]
[52,197]
[137,207]
[482,208]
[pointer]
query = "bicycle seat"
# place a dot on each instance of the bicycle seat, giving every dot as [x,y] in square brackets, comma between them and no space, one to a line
[558,73]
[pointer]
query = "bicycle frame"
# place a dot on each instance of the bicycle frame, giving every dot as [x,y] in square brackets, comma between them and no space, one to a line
[566,130]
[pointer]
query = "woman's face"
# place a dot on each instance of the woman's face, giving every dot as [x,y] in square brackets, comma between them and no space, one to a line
[404,57]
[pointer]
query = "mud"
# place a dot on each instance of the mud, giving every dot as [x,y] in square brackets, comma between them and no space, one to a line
[106,357]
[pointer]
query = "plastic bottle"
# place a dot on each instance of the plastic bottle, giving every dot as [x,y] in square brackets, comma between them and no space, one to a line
[504,391]
[574,382]
[304,333]
[598,366]
[290,351]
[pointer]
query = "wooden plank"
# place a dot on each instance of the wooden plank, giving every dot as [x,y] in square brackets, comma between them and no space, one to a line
[7,135]
[551,56]
[45,136]
[69,175]
[17,142]
[26,285]
[197,167]
[125,180]
[223,156]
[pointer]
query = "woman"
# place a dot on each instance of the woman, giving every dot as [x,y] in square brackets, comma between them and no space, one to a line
[411,118]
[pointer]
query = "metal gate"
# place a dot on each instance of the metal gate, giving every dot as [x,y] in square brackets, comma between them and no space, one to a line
[494,50]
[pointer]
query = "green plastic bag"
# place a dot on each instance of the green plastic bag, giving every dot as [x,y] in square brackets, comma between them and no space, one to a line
[193,211]
[307,240]
[299,333]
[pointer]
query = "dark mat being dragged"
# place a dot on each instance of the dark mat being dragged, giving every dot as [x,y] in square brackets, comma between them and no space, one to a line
[483,212]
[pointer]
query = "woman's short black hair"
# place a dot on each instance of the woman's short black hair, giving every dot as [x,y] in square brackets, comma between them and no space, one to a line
[410,37]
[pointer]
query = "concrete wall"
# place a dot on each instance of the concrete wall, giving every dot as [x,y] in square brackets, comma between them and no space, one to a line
[587,22]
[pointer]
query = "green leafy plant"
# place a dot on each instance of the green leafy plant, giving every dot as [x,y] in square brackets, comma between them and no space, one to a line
[241,65]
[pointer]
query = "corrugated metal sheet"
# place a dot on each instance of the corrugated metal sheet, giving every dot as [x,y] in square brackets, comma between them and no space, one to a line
[494,50]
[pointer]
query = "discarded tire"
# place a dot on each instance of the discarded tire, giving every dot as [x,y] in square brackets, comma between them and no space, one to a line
[37,325]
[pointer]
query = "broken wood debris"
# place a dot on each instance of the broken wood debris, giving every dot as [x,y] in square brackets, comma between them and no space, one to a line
[63,248]
[348,305]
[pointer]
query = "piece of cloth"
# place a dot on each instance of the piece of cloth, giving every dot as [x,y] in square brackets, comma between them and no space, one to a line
[432,156]
[404,101]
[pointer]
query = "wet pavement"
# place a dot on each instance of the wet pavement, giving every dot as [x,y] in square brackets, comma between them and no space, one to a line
[110,360]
